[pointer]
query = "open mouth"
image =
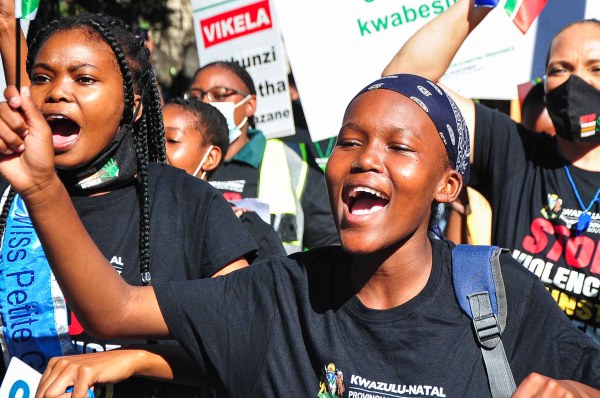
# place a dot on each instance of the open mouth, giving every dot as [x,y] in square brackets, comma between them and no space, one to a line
[64,131]
[364,201]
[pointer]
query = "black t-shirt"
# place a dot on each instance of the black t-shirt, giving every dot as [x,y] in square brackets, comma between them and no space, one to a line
[270,331]
[193,234]
[238,179]
[268,242]
[517,170]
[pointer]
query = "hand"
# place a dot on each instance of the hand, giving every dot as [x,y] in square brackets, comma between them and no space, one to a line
[536,385]
[26,150]
[7,9]
[239,211]
[84,371]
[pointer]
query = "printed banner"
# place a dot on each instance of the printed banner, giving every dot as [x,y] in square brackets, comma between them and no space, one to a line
[338,46]
[247,31]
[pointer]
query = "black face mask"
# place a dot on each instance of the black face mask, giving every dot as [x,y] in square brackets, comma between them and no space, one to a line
[116,165]
[574,108]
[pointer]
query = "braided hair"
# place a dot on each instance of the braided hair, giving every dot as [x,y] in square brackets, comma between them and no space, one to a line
[241,72]
[133,59]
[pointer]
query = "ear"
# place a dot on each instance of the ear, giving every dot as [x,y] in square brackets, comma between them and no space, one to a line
[136,102]
[213,159]
[449,187]
[250,106]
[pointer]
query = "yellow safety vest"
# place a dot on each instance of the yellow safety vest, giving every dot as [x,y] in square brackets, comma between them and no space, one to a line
[281,184]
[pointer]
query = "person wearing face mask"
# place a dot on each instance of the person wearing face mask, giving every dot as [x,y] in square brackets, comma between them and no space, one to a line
[196,136]
[276,173]
[544,190]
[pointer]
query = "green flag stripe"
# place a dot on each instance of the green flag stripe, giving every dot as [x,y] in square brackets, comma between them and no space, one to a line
[510,5]
[29,6]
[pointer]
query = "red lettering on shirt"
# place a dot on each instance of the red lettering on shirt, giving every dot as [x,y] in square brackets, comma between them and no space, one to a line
[577,251]
[75,327]
[539,240]
[557,248]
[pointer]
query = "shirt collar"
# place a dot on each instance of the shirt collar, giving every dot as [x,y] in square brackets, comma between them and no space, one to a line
[252,152]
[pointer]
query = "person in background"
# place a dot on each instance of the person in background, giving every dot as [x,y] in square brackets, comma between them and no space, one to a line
[272,171]
[197,137]
[544,190]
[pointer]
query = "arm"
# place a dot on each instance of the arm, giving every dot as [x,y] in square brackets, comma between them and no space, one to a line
[442,37]
[84,371]
[80,268]
[8,46]
[232,266]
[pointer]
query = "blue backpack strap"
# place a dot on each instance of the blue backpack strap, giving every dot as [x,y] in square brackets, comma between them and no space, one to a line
[479,290]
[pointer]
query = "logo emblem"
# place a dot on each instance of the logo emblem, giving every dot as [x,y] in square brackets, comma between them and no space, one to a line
[553,208]
[332,383]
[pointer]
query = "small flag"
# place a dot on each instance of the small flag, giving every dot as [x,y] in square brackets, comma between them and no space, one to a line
[486,3]
[26,9]
[524,12]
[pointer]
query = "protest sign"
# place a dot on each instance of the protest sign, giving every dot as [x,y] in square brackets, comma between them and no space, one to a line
[337,47]
[247,32]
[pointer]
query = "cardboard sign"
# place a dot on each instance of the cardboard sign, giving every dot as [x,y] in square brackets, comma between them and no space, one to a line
[247,32]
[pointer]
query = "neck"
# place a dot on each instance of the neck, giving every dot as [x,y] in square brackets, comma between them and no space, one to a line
[237,145]
[583,155]
[385,281]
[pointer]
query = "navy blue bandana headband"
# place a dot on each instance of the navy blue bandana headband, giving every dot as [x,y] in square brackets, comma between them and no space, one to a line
[440,108]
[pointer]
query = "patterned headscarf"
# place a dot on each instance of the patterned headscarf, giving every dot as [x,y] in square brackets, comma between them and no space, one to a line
[440,108]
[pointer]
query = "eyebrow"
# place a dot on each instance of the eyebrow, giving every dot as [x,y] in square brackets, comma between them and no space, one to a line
[72,68]
[393,130]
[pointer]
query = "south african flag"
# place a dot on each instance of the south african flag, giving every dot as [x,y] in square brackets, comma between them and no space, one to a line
[521,12]
[524,12]
[26,9]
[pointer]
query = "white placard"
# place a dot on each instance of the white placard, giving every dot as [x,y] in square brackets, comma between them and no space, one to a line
[20,381]
[336,47]
[247,31]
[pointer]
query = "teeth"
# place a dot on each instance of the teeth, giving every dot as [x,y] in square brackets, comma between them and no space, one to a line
[356,190]
[56,117]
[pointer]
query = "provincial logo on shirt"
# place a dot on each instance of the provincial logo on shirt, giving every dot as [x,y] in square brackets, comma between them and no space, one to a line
[332,383]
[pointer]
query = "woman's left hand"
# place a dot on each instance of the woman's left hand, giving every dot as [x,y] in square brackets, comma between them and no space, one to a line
[26,149]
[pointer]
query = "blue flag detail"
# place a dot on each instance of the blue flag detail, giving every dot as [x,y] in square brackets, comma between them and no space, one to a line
[486,3]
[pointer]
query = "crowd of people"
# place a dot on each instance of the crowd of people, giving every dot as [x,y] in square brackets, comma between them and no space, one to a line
[345,287]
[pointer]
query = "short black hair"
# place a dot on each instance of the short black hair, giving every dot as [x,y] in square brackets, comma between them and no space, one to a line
[208,120]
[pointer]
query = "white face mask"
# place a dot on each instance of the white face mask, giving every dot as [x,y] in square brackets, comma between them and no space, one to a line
[228,109]
[202,163]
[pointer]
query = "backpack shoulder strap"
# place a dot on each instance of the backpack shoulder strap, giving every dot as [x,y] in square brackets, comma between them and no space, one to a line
[479,290]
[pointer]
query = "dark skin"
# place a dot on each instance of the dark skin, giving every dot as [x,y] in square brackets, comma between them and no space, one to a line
[186,146]
[388,144]
[217,76]
[397,156]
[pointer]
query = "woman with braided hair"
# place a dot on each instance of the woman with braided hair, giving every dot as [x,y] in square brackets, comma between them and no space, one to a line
[92,81]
